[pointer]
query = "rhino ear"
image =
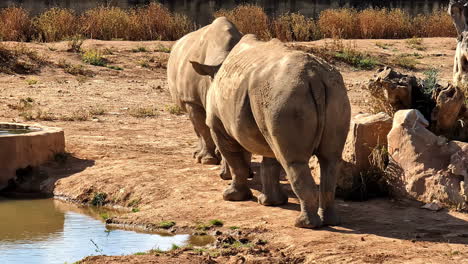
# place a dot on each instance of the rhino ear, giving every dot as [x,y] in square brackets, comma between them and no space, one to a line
[204,69]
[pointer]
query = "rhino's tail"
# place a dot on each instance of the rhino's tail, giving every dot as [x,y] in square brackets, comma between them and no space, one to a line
[319,95]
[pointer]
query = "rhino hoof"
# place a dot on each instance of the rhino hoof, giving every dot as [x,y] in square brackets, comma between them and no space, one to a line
[329,217]
[209,160]
[272,200]
[237,194]
[225,174]
[308,221]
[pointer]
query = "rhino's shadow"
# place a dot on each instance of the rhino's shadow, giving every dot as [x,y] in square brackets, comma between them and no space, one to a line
[388,218]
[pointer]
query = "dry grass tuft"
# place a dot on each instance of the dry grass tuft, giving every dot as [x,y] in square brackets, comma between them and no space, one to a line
[339,23]
[249,19]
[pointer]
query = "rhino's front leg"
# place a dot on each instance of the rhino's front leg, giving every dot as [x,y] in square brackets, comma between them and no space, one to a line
[273,194]
[234,154]
[206,152]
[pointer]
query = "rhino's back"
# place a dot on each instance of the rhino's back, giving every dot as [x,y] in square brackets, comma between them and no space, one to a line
[208,45]
[263,78]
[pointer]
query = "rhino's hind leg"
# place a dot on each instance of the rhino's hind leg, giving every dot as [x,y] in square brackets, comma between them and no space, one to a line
[206,152]
[328,175]
[273,193]
[235,156]
[306,190]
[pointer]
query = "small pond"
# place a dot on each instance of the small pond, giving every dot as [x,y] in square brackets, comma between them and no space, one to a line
[4,132]
[50,231]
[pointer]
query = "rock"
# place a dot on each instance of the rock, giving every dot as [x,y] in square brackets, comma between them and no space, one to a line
[449,102]
[367,132]
[396,87]
[423,166]
[434,206]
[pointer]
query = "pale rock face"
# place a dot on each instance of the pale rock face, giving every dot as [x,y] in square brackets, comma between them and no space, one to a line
[424,166]
[367,132]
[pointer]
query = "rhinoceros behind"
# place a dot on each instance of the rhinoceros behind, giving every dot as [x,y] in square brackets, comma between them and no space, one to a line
[210,45]
[286,106]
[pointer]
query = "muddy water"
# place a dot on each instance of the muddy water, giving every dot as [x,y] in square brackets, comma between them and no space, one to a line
[201,10]
[4,132]
[50,231]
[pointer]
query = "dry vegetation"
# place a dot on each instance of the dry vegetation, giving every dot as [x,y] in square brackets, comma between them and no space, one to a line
[155,22]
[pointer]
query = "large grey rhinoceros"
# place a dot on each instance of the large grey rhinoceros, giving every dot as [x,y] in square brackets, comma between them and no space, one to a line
[286,106]
[209,45]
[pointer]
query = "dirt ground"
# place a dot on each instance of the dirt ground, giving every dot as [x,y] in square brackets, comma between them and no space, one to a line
[124,141]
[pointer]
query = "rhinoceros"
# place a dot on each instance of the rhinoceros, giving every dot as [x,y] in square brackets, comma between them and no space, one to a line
[210,45]
[286,106]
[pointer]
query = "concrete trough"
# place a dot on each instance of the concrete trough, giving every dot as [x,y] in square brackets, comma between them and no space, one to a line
[23,146]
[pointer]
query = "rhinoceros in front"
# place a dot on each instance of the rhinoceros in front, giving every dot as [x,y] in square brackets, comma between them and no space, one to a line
[285,106]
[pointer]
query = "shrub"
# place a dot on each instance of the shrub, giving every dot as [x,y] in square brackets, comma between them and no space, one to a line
[249,19]
[339,23]
[295,27]
[16,24]
[55,24]
[425,25]
[94,57]
[105,23]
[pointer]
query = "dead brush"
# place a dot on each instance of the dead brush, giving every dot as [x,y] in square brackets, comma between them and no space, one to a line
[383,23]
[74,69]
[15,24]
[55,24]
[437,24]
[249,19]
[295,27]
[106,23]
[339,23]
[155,22]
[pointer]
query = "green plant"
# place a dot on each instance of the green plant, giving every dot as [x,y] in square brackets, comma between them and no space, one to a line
[140,253]
[174,109]
[415,43]
[383,45]
[134,202]
[104,216]
[406,62]
[113,67]
[94,57]
[135,210]
[144,63]
[143,112]
[139,49]
[31,81]
[162,48]
[234,227]
[174,247]
[430,81]
[166,224]
[216,222]
[99,199]
[75,43]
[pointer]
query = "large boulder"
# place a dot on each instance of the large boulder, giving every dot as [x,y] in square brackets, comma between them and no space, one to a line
[367,133]
[424,166]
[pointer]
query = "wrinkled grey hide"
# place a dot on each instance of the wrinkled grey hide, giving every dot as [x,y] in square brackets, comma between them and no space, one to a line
[210,45]
[285,106]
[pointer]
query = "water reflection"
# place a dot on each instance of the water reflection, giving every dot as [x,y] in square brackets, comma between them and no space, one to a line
[49,231]
[201,10]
